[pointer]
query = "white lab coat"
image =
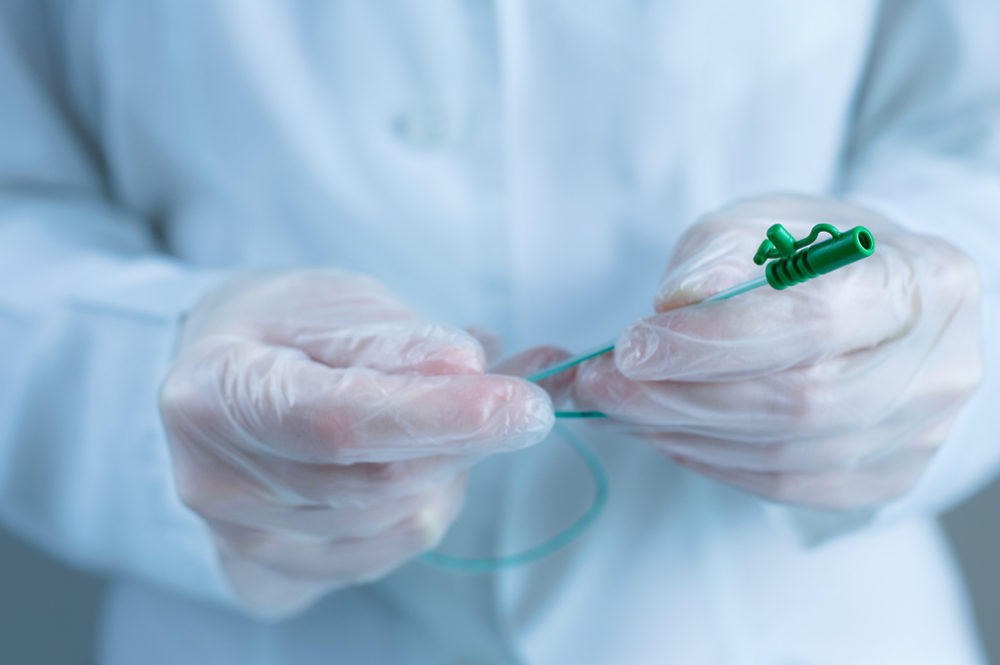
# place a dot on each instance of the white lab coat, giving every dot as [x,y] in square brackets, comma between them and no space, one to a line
[521,165]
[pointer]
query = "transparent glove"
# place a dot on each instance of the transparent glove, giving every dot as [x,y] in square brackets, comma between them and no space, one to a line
[832,394]
[322,429]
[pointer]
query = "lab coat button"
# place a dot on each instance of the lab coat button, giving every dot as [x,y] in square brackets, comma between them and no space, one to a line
[421,128]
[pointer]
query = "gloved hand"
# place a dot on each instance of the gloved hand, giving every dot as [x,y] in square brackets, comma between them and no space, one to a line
[831,394]
[322,429]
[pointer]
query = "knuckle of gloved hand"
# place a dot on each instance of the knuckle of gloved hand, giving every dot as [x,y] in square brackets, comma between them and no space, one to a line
[196,496]
[300,563]
[510,407]
[956,382]
[441,349]
[379,565]
[780,487]
[974,373]
[356,562]
[856,412]
[593,387]
[360,294]
[903,486]
[856,449]
[186,409]
[368,488]
[842,452]
[309,278]
[923,447]
[360,282]
[817,399]
[686,287]
[710,254]
[772,455]
[330,494]
[721,227]
[390,478]
[338,439]
[961,277]
[178,394]
[944,269]
[821,491]
[801,401]
[789,454]
[898,484]
[305,561]
[533,360]
[816,305]
[241,542]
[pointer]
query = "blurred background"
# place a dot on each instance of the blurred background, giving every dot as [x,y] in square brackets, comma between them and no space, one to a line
[51,611]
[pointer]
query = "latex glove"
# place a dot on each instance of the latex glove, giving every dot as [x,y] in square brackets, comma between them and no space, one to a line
[833,394]
[322,429]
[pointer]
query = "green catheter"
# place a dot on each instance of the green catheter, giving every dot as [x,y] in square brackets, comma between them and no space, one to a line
[791,262]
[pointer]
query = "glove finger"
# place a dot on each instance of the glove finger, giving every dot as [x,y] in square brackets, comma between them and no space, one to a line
[313,520]
[810,455]
[489,340]
[230,491]
[841,489]
[394,347]
[764,331]
[205,474]
[829,399]
[382,418]
[280,402]
[346,560]
[202,474]
[531,360]
[711,256]
[265,592]
[358,485]
[805,454]
[755,411]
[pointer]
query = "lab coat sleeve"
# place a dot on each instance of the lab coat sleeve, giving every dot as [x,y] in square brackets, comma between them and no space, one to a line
[89,311]
[924,149]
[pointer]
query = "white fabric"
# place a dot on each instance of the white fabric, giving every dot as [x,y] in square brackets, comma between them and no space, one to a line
[525,166]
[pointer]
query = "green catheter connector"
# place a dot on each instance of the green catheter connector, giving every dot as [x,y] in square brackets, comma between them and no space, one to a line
[792,262]
[799,260]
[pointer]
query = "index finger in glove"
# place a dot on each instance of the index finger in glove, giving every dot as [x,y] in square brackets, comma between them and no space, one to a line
[279,401]
[809,401]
